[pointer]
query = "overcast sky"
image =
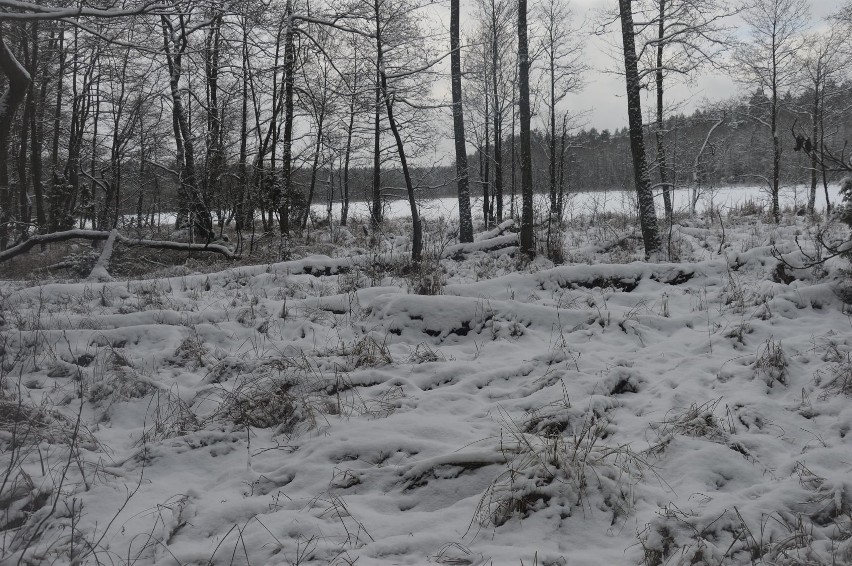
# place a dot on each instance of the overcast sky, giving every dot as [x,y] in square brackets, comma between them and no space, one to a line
[602,99]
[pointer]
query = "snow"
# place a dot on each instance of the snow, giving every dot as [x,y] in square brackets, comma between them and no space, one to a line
[606,411]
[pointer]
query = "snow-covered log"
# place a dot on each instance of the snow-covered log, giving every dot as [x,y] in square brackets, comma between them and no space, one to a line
[179,246]
[100,271]
[40,239]
[494,232]
[489,245]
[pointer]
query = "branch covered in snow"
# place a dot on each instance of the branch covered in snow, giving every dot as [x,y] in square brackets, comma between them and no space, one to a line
[488,245]
[39,239]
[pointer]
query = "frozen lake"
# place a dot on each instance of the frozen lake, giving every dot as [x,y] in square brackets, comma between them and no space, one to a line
[587,203]
[597,202]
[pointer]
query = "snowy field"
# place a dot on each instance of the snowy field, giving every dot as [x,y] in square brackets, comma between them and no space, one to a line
[601,412]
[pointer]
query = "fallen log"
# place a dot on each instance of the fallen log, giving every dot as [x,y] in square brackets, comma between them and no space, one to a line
[458,251]
[493,233]
[100,272]
[95,235]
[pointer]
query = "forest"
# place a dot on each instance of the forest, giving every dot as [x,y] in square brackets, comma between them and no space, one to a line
[247,115]
[363,281]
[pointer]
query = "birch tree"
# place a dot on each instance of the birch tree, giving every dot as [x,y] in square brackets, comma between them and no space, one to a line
[527,239]
[462,176]
[641,177]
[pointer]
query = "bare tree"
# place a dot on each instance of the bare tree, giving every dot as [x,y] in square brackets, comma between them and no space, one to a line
[562,51]
[502,63]
[679,37]
[823,61]
[768,61]
[176,33]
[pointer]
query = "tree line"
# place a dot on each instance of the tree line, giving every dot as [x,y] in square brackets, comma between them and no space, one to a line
[244,114]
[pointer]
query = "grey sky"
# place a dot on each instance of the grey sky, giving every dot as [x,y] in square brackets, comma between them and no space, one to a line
[603,95]
[602,99]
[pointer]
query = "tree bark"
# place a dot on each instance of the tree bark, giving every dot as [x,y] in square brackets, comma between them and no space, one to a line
[462,175]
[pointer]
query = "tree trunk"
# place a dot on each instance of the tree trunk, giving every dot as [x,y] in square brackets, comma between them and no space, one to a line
[287,154]
[486,160]
[462,176]
[57,111]
[828,206]
[314,168]
[242,214]
[37,135]
[202,224]
[514,164]
[527,237]
[647,212]
[776,141]
[498,122]
[344,208]
[665,183]
[417,229]
[23,178]
[215,152]
[814,136]
[350,127]
[376,214]
[93,160]
[18,82]
[552,138]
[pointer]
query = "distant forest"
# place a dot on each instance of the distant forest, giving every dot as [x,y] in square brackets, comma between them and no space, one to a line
[739,152]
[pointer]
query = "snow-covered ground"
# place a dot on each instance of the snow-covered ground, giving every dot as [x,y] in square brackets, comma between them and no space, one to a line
[601,412]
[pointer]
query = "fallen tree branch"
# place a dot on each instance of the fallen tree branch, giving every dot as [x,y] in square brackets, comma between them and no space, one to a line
[497,231]
[179,246]
[40,239]
[100,271]
[489,245]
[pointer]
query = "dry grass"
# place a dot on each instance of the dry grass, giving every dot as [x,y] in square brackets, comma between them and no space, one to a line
[551,464]
[771,362]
